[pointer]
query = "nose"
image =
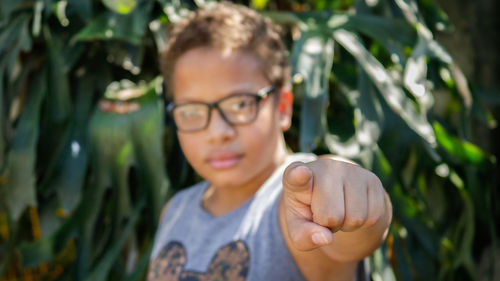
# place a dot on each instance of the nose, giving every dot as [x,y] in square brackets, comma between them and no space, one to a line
[218,129]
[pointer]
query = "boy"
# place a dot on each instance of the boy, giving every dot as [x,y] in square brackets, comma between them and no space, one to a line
[262,213]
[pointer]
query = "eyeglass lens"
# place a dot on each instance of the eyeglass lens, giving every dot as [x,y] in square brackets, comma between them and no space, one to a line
[236,110]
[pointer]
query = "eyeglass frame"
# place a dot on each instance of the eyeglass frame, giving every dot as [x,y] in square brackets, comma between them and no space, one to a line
[259,96]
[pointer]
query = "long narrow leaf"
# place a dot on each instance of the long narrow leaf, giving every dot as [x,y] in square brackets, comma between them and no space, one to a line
[462,150]
[104,265]
[415,76]
[19,186]
[393,95]
[312,58]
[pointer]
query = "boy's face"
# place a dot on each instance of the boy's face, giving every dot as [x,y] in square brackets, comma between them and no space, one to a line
[230,156]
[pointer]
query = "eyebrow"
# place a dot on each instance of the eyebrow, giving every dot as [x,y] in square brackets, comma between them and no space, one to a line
[239,89]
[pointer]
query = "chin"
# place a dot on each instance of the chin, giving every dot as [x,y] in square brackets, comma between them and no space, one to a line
[227,183]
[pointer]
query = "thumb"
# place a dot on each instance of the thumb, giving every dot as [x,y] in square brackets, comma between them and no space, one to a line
[306,235]
[298,177]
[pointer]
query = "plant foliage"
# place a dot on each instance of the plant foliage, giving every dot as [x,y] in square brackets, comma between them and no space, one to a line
[85,157]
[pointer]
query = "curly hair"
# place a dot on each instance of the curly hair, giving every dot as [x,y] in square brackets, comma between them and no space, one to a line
[228,27]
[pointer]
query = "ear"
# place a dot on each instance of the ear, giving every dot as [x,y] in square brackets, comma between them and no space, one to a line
[285,108]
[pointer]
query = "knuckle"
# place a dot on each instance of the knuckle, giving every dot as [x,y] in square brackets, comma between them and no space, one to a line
[335,220]
[354,222]
[371,221]
[328,220]
[374,181]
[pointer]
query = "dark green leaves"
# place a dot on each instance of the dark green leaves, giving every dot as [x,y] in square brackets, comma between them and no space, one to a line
[371,84]
[128,27]
[18,187]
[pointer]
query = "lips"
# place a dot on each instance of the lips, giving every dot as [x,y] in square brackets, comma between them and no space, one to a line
[222,160]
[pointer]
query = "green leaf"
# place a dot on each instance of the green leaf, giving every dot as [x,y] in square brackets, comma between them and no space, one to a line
[173,9]
[3,137]
[312,57]
[82,8]
[104,265]
[18,189]
[435,17]
[68,177]
[461,150]
[393,34]
[368,113]
[6,8]
[15,38]
[380,267]
[141,267]
[110,26]
[393,94]
[259,4]
[147,134]
[58,95]
[415,76]
[368,117]
[36,252]
[120,6]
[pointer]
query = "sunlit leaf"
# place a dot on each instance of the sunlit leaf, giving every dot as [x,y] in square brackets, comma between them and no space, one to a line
[393,94]
[259,4]
[173,9]
[462,150]
[380,267]
[461,84]
[393,34]
[120,6]
[368,118]
[368,113]
[312,57]
[415,76]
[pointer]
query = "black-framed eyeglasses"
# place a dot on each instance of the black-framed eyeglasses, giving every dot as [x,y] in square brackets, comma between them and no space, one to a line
[237,109]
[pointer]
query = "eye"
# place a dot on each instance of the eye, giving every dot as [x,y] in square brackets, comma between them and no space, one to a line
[190,111]
[239,103]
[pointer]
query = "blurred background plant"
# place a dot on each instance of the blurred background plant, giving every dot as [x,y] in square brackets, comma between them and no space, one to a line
[85,156]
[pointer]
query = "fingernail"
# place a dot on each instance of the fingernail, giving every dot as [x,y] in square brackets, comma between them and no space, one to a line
[319,238]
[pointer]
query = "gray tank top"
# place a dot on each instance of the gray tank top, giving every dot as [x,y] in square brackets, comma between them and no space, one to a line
[245,244]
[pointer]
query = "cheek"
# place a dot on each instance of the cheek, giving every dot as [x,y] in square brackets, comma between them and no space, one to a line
[263,135]
[191,147]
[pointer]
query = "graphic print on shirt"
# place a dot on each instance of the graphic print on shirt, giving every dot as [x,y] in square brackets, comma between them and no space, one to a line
[231,262]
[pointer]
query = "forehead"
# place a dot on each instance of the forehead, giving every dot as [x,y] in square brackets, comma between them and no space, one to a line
[207,74]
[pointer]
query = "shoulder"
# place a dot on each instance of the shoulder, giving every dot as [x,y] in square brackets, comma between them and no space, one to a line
[299,156]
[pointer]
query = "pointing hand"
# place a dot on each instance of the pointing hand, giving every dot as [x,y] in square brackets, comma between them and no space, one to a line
[326,196]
